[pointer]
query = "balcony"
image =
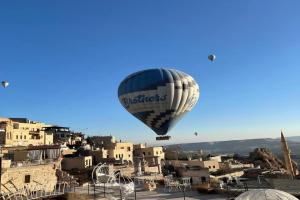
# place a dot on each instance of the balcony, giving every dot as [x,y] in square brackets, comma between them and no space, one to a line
[34,132]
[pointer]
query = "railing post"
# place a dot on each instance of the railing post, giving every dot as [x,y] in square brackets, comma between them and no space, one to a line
[121,193]
[104,189]
[88,188]
[94,191]
[134,193]
[59,184]
[228,195]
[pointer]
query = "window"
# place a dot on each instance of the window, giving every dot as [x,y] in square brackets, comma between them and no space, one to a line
[25,137]
[27,179]
[128,148]
[16,126]
[17,137]
[157,153]
[203,179]
[214,166]
[21,137]
[129,155]
[209,167]
[144,153]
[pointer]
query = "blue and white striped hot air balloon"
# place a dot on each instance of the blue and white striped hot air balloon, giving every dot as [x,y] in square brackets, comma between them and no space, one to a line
[159,97]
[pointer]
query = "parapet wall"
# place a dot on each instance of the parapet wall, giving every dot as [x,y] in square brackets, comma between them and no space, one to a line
[32,177]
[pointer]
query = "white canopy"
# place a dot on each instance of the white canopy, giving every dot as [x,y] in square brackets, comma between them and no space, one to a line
[265,194]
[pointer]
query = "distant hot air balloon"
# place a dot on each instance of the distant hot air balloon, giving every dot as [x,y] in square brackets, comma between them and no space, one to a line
[212,57]
[196,134]
[5,84]
[159,97]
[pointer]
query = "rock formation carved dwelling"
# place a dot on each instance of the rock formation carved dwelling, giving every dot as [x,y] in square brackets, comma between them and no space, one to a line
[289,165]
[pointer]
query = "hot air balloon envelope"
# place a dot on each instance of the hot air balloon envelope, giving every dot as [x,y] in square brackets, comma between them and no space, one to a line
[212,57]
[5,84]
[159,97]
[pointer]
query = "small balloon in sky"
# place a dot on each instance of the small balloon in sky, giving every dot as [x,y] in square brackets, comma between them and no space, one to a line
[196,134]
[212,57]
[5,84]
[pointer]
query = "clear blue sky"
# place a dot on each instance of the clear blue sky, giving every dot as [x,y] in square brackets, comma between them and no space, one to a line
[65,60]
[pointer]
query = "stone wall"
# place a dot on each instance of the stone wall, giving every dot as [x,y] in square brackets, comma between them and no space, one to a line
[126,171]
[154,169]
[42,176]
[197,176]
[6,164]
[212,165]
[82,162]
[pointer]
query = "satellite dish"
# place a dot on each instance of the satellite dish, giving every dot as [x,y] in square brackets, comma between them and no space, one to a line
[5,84]
[212,57]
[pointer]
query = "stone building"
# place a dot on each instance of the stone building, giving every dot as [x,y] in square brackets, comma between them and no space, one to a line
[141,150]
[63,135]
[22,156]
[30,176]
[211,165]
[198,174]
[121,151]
[23,132]
[148,159]
[112,149]
[33,168]
[234,164]
[99,155]
[78,163]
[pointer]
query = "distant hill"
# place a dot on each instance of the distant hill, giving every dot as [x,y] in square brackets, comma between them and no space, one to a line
[242,147]
[294,138]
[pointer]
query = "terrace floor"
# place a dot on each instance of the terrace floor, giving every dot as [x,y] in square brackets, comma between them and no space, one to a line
[158,194]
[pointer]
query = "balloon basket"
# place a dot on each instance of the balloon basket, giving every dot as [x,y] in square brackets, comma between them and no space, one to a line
[163,137]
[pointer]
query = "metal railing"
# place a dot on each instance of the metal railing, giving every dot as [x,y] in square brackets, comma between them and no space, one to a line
[38,192]
[31,163]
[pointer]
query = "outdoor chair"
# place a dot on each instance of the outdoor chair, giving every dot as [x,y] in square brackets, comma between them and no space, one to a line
[185,183]
[171,185]
[139,180]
